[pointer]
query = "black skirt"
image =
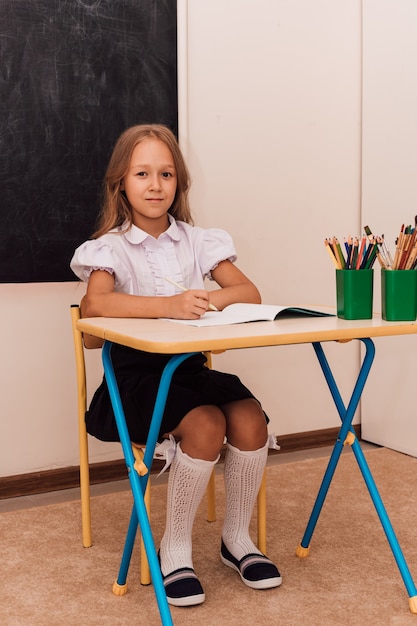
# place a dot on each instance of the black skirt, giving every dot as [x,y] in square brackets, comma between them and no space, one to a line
[138,375]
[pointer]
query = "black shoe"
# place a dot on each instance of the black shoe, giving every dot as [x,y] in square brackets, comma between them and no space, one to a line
[256,570]
[183,587]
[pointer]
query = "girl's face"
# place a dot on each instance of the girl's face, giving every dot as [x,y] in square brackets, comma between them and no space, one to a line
[150,185]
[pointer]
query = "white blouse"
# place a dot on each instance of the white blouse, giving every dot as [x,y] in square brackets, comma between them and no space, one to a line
[139,262]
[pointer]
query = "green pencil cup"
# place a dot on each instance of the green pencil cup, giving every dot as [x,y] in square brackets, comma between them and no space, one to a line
[399,295]
[354,294]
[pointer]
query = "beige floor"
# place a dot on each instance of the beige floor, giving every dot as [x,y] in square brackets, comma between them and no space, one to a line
[66,495]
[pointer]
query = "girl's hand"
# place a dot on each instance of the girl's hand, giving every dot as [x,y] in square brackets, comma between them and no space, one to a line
[102,301]
[189,305]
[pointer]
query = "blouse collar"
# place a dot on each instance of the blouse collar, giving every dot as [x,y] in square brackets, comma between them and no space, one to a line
[137,235]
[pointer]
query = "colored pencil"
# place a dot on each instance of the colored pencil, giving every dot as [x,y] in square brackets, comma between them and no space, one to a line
[335,260]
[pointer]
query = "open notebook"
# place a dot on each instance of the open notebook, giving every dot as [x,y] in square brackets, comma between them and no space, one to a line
[243,312]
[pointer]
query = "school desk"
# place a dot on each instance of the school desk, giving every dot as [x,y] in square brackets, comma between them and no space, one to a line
[162,336]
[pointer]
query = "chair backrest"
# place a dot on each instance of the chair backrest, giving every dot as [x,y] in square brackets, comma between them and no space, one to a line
[82,432]
[79,360]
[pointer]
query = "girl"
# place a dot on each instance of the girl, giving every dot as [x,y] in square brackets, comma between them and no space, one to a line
[146,235]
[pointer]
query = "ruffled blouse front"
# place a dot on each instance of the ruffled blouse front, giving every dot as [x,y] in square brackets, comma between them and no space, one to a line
[140,263]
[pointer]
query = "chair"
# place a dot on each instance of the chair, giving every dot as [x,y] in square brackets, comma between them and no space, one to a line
[138,454]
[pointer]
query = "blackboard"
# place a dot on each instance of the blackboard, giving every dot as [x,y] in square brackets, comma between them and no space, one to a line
[73,75]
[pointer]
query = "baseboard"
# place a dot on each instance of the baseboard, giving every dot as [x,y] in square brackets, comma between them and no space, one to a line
[312,439]
[68,477]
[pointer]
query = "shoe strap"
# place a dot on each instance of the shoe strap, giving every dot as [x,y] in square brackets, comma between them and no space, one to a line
[250,560]
[179,574]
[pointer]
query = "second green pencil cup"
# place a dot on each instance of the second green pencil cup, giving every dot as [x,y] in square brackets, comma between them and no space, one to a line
[354,294]
[399,295]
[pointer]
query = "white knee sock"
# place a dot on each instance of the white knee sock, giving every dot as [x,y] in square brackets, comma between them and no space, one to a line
[187,482]
[243,473]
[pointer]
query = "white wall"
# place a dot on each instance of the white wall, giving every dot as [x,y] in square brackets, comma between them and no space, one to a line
[38,426]
[274,131]
[390,199]
[271,122]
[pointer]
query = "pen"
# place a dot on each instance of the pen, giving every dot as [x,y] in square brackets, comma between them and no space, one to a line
[210,306]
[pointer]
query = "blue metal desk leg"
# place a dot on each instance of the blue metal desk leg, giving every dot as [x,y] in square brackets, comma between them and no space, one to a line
[387,526]
[119,587]
[346,416]
[138,484]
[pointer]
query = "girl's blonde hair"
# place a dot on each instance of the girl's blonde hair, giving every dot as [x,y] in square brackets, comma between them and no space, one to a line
[116,209]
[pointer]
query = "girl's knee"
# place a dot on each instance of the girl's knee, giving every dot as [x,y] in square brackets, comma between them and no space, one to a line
[246,425]
[202,432]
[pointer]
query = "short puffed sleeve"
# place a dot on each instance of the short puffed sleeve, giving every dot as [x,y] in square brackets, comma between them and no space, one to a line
[99,254]
[215,245]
